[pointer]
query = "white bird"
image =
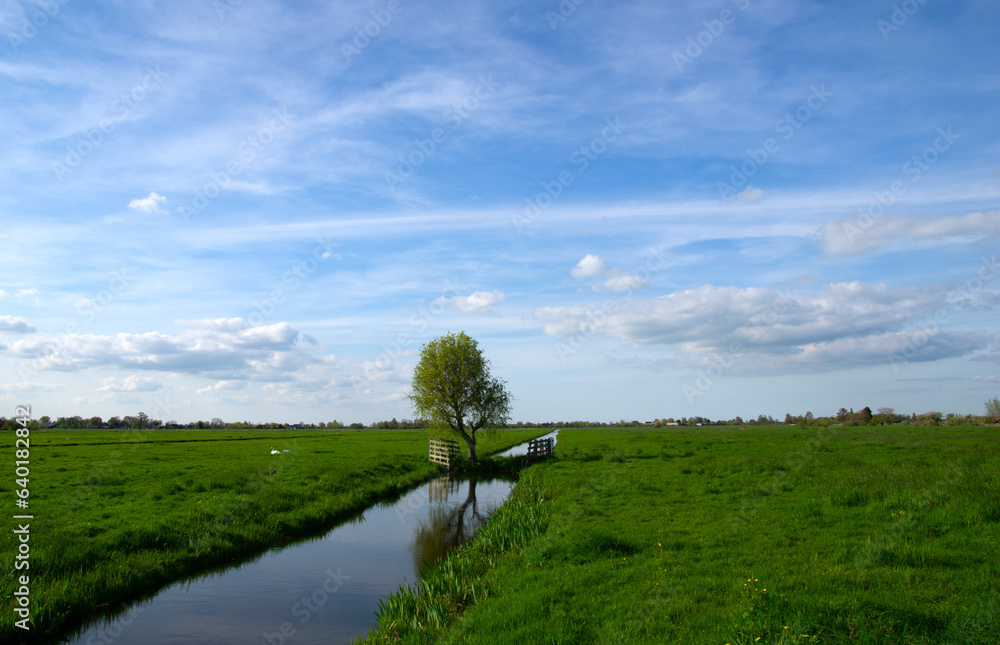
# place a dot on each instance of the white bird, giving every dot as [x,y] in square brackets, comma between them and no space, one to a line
[273,451]
[286,451]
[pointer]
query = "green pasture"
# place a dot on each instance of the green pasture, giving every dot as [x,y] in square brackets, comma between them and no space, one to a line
[720,535]
[118,514]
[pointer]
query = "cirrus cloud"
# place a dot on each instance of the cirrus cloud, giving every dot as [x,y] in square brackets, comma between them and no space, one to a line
[859,235]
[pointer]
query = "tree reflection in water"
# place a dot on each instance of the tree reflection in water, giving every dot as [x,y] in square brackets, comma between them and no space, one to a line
[450,522]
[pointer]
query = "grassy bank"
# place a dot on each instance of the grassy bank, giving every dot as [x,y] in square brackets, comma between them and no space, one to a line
[717,535]
[121,514]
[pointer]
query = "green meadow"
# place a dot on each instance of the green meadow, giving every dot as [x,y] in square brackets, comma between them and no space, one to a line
[723,535]
[120,514]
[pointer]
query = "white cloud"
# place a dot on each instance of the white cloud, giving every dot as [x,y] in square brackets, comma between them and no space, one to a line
[862,234]
[149,204]
[592,266]
[748,195]
[223,385]
[15,325]
[794,329]
[890,349]
[620,282]
[223,347]
[389,371]
[474,302]
[131,383]
[589,267]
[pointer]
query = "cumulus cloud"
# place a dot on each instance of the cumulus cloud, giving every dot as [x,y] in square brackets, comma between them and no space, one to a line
[592,266]
[474,302]
[842,324]
[16,325]
[861,234]
[149,205]
[224,347]
[891,349]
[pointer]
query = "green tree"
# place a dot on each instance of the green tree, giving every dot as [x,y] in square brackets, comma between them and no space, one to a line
[993,409]
[453,388]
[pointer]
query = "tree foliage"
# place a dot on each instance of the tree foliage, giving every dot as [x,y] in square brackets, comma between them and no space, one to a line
[993,409]
[453,389]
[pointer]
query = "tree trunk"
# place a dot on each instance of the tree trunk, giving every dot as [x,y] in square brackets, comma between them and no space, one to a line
[470,443]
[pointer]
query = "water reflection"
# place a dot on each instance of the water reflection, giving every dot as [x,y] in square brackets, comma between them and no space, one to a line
[451,521]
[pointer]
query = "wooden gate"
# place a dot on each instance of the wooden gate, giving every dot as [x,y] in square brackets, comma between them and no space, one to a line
[442,451]
[539,448]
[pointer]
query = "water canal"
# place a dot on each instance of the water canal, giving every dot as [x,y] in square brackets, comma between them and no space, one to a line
[322,590]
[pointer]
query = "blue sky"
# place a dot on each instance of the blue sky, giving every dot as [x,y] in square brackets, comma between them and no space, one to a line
[261,210]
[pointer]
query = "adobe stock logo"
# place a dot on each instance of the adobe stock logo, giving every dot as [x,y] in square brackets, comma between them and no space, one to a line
[583,157]
[364,34]
[787,126]
[48,9]
[697,44]
[120,110]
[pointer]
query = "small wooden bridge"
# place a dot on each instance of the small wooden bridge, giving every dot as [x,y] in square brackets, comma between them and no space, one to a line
[442,451]
[539,449]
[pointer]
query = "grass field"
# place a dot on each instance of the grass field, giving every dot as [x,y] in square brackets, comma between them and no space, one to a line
[119,514]
[720,535]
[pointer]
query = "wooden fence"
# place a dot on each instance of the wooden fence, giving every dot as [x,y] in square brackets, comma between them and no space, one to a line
[442,451]
[539,448]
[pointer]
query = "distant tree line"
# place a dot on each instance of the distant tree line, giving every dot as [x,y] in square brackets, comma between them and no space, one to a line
[142,421]
[844,416]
